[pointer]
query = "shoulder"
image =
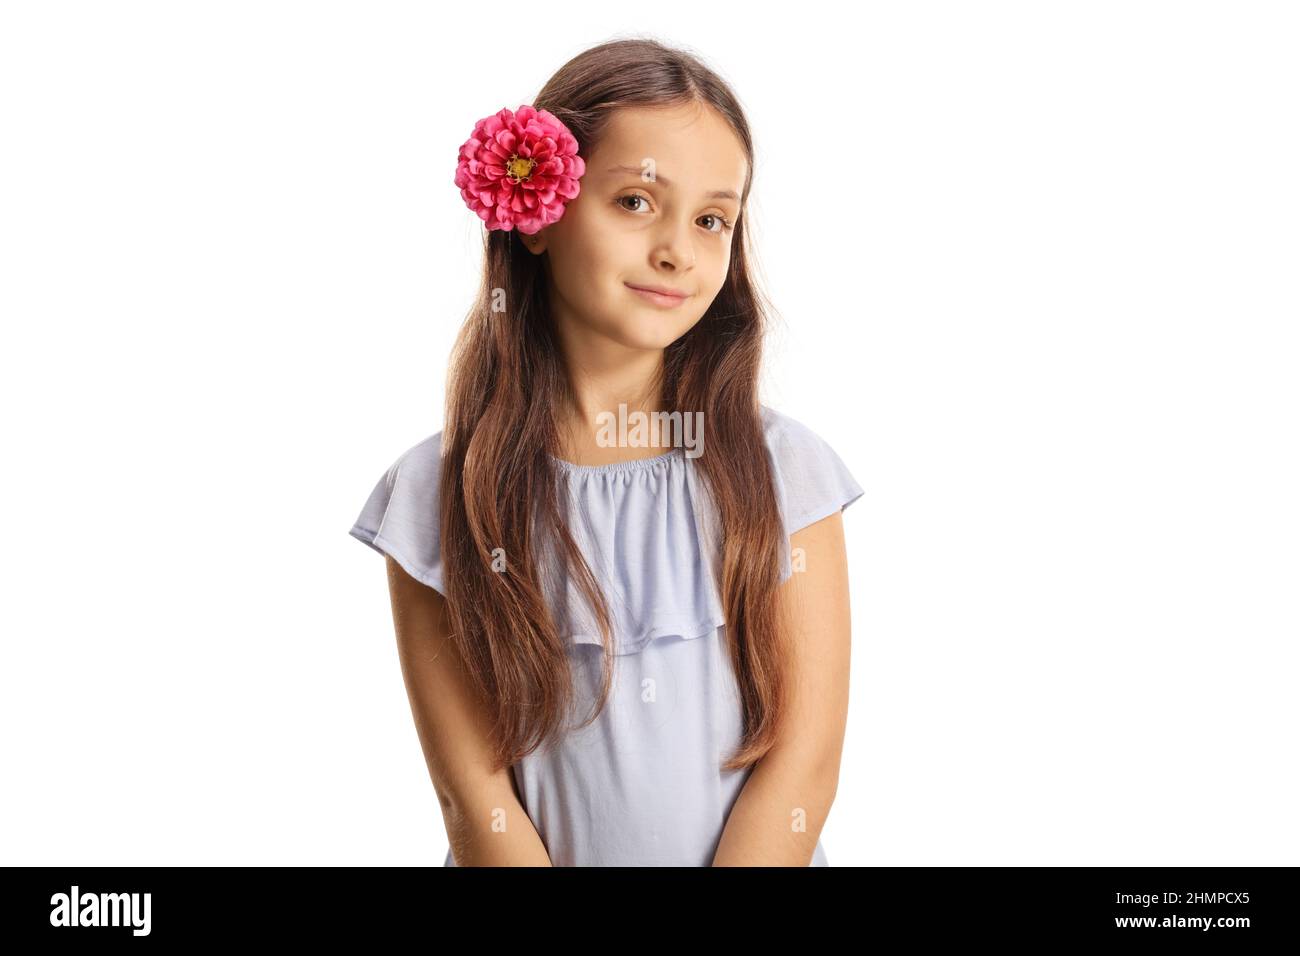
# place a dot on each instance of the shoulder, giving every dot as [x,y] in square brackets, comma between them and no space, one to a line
[812,480]
[400,516]
[424,457]
[411,479]
[783,433]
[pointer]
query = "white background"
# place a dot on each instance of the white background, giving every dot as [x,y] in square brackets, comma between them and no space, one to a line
[1036,266]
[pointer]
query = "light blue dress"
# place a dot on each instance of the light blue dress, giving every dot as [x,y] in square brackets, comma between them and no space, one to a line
[641,785]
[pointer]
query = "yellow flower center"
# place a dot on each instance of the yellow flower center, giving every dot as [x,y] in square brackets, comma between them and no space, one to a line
[519,168]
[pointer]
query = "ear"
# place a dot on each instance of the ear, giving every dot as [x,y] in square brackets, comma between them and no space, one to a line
[536,243]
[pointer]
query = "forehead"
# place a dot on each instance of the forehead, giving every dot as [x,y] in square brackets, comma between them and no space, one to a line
[692,145]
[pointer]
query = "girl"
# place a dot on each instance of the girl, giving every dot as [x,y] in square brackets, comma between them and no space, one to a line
[692,602]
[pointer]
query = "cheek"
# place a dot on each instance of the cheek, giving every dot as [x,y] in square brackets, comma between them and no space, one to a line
[577,263]
[590,245]
[718,268]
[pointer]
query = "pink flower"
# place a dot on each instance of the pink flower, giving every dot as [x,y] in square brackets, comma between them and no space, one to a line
[519,169]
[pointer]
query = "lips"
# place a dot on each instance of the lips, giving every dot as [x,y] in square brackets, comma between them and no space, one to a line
[657,289]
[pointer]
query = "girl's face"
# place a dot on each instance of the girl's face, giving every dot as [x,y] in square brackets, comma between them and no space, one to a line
[657,206]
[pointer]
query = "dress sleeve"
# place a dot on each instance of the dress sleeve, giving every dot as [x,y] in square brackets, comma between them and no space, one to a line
[812,482]
[401,516]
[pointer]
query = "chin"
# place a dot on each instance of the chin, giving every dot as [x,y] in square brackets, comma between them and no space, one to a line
[646,339]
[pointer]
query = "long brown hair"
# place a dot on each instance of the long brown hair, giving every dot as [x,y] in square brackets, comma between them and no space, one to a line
[501,490]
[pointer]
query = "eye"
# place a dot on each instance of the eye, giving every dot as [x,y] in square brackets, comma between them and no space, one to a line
[621,199]
[726,226]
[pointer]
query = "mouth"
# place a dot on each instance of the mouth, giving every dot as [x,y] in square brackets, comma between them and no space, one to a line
[659,295]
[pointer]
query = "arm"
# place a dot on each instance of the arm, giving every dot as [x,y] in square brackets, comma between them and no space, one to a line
[801,772]
[453,725]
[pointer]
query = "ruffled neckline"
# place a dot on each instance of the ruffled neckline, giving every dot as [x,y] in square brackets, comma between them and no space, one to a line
[634,464]
[648,531]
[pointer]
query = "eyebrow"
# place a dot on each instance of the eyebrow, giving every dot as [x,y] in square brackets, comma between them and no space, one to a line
[664,180]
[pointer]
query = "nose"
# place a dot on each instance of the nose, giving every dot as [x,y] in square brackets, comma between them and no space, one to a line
[675,250]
